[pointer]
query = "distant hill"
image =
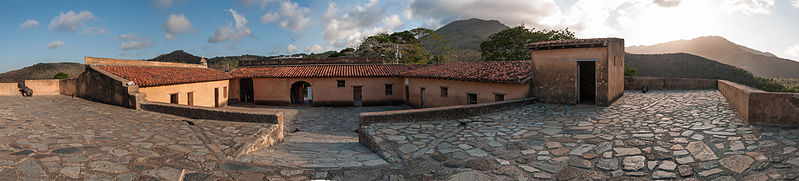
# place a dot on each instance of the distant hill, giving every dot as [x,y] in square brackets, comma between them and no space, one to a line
[178,56]
[722,50]
[691,66]
[468,34]
[42,71]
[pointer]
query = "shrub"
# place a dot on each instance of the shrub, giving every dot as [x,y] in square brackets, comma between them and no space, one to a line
[629,71]
[61,75]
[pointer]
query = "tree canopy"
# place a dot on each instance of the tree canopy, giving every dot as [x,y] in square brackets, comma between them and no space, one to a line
[61,75]
[510,44]
[410,46]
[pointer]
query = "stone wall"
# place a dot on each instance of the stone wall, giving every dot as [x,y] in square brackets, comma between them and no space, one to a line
[760,107]
[265,137]
[68,86]
[9,89]
[440,113]
[41,87]
[668,83]
[99,85]
[44,87]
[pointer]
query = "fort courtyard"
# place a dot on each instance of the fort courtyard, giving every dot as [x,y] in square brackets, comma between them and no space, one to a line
[688,134]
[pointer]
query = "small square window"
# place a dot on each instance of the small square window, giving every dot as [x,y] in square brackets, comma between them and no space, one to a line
[499,97]
[340,83]
[444,92]
[389,89]
[472,98]
[173,98]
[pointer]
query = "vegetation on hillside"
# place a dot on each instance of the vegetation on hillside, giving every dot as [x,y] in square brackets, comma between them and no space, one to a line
[61,75]
[42,71]
[692,66]
[510,44]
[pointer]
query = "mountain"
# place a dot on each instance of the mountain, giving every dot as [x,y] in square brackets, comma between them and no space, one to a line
[691,66]
[178,56]
[468,34]
[722,50]
[42,71]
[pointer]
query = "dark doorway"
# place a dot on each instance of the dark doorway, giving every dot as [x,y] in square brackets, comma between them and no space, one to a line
[421,95]
[216,97]
[190,98]
[301,93]
[586,85]
[407,95]
[246,93]
[357,96]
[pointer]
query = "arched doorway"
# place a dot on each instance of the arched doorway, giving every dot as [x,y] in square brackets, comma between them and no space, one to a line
[246,92]
[301,93]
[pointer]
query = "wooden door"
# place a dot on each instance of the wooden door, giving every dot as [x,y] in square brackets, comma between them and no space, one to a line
[357,95]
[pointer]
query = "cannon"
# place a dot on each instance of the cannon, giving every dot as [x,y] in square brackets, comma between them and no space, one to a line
[24,90]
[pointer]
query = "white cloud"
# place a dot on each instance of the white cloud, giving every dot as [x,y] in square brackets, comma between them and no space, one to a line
[176,24]
[231,33]
[793,51]
[71,21]
[349,28]
[510,12]
[269,17]
[261,3]
[314,49]
[749,7]
[29,24]
[55,44]
[94,30]
[795,3]
[291,49]
[667,3]
[132,42]
[162,3]
[296,17]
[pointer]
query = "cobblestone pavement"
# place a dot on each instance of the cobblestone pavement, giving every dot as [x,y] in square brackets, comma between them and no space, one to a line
[691,135]
[326,138]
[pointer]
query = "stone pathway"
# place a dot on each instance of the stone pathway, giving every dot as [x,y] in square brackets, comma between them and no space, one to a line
[326,138]
[692,135]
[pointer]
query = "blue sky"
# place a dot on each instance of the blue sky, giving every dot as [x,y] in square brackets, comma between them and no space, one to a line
[66,31]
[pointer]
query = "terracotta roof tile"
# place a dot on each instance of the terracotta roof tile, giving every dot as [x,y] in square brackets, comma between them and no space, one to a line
[156,76]
[556,44]
[363,70]
[494,71]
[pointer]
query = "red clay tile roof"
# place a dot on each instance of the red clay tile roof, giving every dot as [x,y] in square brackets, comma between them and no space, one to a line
[362,70]
[155,76]
[573,43]
[495,71]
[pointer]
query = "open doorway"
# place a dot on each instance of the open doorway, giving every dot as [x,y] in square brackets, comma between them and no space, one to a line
[246,92]
[301,93]
[357,95]
[586,82]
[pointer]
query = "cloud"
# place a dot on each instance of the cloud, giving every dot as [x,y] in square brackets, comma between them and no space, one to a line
[55,44]
[291,49]
[793,51]
[269,17]
[667,3]
[176,24]
[164,4]
[29,24]
[296,17]
[71,21]
[95,30]
[510,12]
[795,3]
[261,3]
[232,33]
[749,7]
[132,42]
[349,28]
[314,49]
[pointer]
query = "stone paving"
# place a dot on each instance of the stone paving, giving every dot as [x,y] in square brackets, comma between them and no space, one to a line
[326,138]
[683,135]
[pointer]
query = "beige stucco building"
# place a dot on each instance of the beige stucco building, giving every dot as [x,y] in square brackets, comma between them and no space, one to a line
[580,71]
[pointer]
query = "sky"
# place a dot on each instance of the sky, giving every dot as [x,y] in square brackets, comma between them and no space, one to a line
[39,31]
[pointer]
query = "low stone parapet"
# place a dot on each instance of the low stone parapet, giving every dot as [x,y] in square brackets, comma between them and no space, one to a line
[760,107]
[668,83]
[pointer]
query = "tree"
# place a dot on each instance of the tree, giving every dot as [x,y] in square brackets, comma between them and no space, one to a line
[630,71]
[510,44]
[61,75]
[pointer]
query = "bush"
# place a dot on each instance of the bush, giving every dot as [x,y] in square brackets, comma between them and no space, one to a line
[629,71]
[61,75]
